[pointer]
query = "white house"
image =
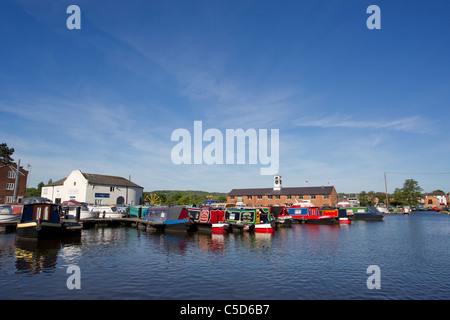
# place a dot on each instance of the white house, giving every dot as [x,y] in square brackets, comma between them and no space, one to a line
[94,189]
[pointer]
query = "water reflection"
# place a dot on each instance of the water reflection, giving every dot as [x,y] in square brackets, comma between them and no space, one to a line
[34,257]
[208,242]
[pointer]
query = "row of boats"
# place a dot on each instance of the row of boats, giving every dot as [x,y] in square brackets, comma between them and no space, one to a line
[221,217]
[43,219]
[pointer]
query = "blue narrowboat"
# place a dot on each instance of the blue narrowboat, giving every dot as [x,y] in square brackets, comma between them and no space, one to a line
[365,213]
[168,218]
[43,220]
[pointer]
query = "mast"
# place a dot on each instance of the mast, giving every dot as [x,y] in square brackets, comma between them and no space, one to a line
[16,183]
[385,186]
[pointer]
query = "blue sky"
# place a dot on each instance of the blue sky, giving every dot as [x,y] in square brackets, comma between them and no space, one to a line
[350,103]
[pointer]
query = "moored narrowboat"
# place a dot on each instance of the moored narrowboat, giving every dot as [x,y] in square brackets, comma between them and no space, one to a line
[312,214]
[365,213]
[8,215]
[43,220]
[168,218]
[107,212]
[204,218]
[250,219]
[75,210]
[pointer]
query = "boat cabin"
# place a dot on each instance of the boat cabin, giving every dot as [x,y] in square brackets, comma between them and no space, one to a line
[41,212]
[167,217]
[303,212]
[248,215]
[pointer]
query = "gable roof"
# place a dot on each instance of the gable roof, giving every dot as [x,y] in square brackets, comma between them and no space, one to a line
[13,167]
[100,179]
[109,180]
[323,190]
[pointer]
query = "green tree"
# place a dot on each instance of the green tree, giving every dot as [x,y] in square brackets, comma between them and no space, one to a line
[173,198]
[398,197]
[6,153]
[32,192]
[163,197]
[184,200]
[197,199]
[39,187]
[363,198]
[412,192]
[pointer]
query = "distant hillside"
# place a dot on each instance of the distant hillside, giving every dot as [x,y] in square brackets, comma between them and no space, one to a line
[190,192]
[181,197]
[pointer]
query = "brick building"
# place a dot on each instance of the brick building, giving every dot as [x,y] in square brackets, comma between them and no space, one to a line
[321,196]
[8,173]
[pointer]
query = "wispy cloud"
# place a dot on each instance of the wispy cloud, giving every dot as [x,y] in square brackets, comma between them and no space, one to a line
[408,124]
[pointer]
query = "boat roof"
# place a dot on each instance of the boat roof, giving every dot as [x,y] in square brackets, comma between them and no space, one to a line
[32,200]
[173,213]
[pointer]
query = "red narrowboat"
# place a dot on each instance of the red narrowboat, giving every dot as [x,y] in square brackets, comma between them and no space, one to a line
[307,212]
[205,218]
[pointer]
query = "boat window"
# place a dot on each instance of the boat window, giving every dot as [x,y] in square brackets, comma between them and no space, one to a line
[248,216]
[163,214]
[38,213]
[233,215]
[46,213]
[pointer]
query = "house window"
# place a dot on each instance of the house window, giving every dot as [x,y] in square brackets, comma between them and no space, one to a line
[231,197]
[249,197]
[9,199]
[313,196]
[10,186]
[326,197]
[269,197]
[288,197]
[259,197]
[111,189]
[300,197]
[74,183]
[11,175]
[277,197]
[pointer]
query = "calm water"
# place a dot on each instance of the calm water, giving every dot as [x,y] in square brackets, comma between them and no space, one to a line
[303,262]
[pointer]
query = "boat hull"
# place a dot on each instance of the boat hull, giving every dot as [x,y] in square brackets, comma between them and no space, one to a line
[48,230]
[368,216]
[43,230]
[171,225]
[110,215]
[10,218]
[318,220]
[220,227]
[264,228]
[345,221]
